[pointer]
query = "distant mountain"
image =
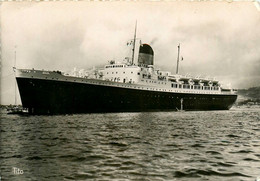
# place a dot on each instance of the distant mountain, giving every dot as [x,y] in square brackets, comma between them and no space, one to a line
[253,92]
[249,96]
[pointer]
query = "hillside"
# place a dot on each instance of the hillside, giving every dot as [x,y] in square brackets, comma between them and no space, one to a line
[253,92]
[249,96]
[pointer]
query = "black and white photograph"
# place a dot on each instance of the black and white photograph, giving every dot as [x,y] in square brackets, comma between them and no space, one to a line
[130,90]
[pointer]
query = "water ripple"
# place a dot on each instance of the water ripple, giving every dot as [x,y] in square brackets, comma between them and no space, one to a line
[215,145]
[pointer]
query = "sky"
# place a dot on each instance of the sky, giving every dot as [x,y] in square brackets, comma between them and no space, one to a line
[218,39]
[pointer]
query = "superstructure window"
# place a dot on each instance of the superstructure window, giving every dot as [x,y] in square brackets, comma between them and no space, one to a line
[174,85]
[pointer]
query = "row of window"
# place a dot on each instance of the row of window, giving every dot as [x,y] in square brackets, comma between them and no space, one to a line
[114,66]
[150,81]
[186,86]
[201,98]
[123,73]
[25,71]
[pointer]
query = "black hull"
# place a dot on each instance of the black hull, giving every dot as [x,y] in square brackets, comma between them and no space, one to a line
[61,97]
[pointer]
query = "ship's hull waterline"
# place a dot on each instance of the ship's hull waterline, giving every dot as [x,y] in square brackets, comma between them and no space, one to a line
[42,96]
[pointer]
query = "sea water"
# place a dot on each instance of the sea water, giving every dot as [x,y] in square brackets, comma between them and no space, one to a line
[201,145]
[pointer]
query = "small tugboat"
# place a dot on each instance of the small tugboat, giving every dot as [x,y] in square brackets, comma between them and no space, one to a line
[17,110]
[129,85]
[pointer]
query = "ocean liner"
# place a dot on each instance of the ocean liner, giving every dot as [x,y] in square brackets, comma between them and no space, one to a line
[126,86]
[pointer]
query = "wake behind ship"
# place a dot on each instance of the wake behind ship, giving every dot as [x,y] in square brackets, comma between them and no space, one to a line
[120,87]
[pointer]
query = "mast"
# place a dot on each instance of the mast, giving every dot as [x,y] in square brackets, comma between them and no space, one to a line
[177,69]
[15,99]
[133,55]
